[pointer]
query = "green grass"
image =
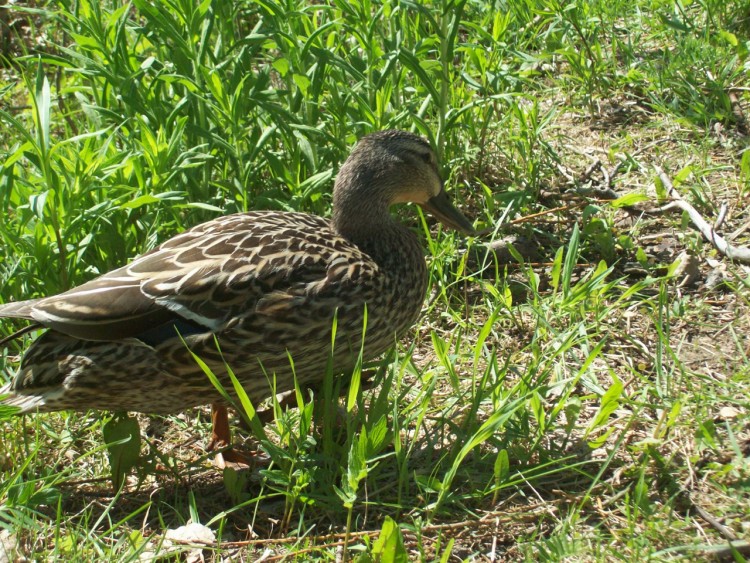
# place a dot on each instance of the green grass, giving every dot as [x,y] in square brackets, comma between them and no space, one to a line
[572,402]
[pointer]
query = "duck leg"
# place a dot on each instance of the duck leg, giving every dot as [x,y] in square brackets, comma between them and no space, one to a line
[221,439]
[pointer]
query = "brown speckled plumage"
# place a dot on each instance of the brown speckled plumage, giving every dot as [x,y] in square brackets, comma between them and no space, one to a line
[267,285]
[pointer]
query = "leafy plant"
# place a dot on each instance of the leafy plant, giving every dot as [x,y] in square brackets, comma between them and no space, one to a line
[122,435]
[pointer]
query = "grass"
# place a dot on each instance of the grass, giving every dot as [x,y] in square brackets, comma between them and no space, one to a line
[570,401]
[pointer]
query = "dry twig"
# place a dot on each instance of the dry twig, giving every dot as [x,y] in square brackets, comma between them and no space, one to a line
[738,253]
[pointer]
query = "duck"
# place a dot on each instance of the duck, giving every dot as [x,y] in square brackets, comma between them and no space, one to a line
[258,292]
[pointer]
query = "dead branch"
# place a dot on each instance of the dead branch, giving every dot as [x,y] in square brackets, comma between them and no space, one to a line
[727,552]
[739,231]
[723,210]
[738,253]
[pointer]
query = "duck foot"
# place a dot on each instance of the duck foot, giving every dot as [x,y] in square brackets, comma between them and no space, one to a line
[221,442]
[221,438]
[237,460]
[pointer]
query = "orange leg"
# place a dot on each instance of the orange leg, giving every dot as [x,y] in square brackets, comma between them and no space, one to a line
[221,439]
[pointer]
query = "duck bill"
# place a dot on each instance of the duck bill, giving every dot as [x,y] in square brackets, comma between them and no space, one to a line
[444,211]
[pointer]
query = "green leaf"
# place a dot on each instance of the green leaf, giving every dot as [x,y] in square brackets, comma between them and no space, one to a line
[641,496]
[248,410]
[610,402]
[445,557]
[306,148]
[356,380]
[412,63]
[537,408]
[674,23]
[201,205]
[347,498]
[377,436]
[123,438]
[356,471]
[661,189]
[600,440]
[674,414]
[682,175]
[641,257]
[572,410]
[302,82]
[389,547]
[571,258]
[281,66]
[745,165]
[483,334]
[140,202]
[672,268]
[235,483]
[441,351]
[629,199]
[729,37]
[501,468]
[43,102]
[556,270]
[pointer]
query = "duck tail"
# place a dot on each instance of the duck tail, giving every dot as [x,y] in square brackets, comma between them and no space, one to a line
[18,309]
[25,403]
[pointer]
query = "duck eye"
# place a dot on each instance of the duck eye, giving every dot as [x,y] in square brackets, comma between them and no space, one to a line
[427,157]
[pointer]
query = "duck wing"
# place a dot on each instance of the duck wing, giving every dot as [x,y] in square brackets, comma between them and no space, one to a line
[106,308]
[208,277]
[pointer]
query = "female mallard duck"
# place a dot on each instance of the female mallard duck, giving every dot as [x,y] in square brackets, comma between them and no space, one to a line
[267,284]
